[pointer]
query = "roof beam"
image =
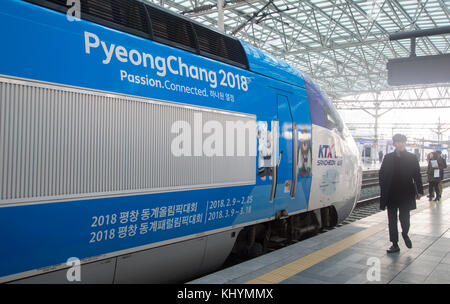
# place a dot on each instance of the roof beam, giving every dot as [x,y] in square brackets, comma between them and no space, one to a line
[212,8]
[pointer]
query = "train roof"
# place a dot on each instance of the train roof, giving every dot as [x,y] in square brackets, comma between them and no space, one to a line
[265,64]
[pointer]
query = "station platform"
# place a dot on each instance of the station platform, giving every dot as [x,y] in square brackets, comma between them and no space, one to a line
[356,254]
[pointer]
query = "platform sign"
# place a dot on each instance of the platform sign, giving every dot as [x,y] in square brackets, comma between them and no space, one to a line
[419,70]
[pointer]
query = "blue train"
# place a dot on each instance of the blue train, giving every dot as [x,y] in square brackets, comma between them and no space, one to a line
[149,148]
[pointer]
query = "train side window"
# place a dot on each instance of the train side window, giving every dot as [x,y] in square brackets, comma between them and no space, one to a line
[332,120]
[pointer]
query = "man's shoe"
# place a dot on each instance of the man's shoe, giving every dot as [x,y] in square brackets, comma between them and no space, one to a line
[408,242]
[393,248]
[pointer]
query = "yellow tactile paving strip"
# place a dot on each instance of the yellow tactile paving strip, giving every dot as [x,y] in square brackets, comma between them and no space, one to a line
[284,272]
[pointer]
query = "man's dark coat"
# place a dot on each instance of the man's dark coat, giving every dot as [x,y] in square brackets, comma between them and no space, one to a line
[386,173]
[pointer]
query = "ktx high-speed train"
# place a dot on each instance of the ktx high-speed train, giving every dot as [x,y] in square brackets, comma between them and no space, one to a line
[146,147]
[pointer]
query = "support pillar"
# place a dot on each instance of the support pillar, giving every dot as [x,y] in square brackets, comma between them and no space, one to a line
[220,21]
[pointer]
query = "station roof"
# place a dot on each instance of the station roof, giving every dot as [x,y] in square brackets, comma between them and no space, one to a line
[342,44]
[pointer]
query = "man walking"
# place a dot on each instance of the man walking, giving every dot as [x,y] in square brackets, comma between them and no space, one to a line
[400,185]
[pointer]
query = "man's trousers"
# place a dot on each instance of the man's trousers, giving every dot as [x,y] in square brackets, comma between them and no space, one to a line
[404,221]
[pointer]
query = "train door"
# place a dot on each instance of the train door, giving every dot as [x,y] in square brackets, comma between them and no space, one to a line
[285,157]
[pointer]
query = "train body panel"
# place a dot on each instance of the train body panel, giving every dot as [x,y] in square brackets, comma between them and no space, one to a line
[337,173]
[115,145]
[335,158]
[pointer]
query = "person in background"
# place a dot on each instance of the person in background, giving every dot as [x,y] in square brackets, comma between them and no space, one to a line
[430,190]
[380,156]
[433,181]
[400,185]
[442,163]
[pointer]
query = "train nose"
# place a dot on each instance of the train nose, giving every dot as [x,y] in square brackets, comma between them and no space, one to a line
[352,180]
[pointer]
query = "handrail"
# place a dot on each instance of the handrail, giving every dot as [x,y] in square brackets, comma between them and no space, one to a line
[295,159]
[274,159]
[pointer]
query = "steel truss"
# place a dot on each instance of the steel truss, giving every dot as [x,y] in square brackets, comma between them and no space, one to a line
[342,44]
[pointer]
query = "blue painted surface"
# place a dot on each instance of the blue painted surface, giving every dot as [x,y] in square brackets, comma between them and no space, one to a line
[39,235]
[40,44]
[266,64]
